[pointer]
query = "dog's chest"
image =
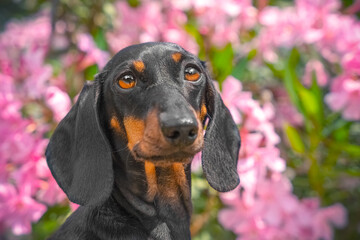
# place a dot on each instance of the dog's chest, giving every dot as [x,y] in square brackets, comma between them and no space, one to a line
[167,183]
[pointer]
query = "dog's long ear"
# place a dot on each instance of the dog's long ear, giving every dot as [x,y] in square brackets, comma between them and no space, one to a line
[79,155]
[221,145]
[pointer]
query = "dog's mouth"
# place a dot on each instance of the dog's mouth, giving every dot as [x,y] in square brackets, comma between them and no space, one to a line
[167,156]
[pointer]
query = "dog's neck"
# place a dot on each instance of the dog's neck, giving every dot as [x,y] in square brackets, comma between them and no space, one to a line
[159,194]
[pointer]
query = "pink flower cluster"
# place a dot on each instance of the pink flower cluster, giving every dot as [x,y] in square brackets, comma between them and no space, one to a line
[26,184]
[33,96]
[345,89]
[86,54]
[221,23]
[334,35]
[165,21]
[263,205]
[151,21]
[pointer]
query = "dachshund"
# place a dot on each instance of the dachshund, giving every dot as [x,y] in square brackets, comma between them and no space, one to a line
[124,150]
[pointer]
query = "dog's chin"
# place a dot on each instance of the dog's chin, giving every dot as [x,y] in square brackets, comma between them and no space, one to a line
[180,156]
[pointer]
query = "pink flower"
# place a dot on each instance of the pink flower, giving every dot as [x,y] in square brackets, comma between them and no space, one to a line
[196,162]
[25,79]
[22,53]
[264,217]
[326,218]
[285,111]
[92,53]
[276,200]
[174,31]
[275,213]
[312,222]
[345,96]
[17,142]
[308,22]
[255,161]
[231,17]
[241,103]
[136,25]
[49,191]
[232,94]
[18,209]
[282,28]
[37,73]
[351,62]
[9,104]
[149,22]
[58,101]
[74,206]
[263,205]
[317,68]
[341,35]
[20,37]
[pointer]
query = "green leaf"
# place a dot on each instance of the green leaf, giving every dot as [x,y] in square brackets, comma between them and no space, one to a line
[290,79]
[353,172]
[191,29]
[308,101]
[221,60]
[100,39]
[252,54]
[294,138]
[50,221]
[334,125]
[341,134]
[90,72]
[134,3]
[318,94]
[240,67]
[351,149]
[278,72]
[315,177]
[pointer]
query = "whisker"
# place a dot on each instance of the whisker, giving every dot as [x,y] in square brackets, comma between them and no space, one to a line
[119,150]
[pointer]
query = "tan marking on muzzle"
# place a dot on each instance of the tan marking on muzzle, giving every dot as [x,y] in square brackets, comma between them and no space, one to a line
[203,112]
[152,134]
[134,130]
[115,124]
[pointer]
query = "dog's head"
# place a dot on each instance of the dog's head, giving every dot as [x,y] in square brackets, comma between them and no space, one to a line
[155,98]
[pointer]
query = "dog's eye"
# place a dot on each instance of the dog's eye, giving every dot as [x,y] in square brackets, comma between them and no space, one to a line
[127,81]
[192,74]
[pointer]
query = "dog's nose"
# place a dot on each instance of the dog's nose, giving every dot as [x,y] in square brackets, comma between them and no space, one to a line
[179,131]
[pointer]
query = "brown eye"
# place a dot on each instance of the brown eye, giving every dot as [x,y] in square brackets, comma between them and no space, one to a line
[127,81]
[192,74]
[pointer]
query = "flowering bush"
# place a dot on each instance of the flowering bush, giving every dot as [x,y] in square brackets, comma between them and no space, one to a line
[289,76]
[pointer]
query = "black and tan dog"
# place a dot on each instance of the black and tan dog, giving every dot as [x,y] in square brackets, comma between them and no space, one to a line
[123,152]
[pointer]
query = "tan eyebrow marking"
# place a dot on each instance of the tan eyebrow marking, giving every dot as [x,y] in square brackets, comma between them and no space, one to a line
[139,66]
[176,56]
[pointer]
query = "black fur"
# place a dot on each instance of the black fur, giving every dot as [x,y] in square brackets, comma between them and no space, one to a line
[95,168]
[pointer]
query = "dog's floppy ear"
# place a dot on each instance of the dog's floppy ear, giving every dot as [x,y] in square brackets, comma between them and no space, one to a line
[78,153]
[221,145]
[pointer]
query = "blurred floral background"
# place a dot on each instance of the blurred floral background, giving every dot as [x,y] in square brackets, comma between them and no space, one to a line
[289,71]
